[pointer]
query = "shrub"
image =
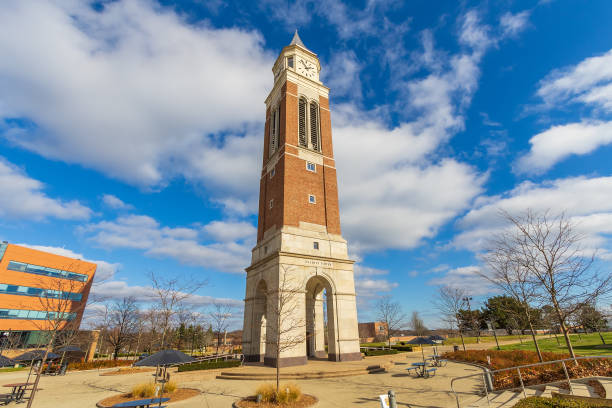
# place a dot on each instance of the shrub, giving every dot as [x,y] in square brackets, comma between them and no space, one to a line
[379,352]
[170,387]
[539,402]
[402,348]
[205,365]
[531,375]
[144,390]
[99,364]
[287,393]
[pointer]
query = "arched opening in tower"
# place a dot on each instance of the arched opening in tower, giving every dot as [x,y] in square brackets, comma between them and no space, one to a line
[320,333]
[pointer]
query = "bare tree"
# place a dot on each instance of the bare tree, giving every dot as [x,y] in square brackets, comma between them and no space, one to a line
[449,302]
[123,323]
[220,319]
[59,311]
[549,249]
[289,328]
[390,313]
[169,294]
[417,325]
[507,272]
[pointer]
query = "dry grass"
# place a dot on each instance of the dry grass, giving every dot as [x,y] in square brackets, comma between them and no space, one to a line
[144,390]
[288,393]
[126,370]
[304,402]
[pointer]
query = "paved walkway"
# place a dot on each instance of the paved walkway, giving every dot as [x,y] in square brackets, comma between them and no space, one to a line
[84,389]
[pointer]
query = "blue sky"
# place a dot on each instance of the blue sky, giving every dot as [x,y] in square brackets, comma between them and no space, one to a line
[131,132]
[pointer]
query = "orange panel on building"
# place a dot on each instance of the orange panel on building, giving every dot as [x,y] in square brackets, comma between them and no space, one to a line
[33,283]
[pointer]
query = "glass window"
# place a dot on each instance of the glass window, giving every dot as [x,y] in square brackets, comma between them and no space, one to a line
[41,270]
[290,62]
[311,167]
[312,199]
[316,245]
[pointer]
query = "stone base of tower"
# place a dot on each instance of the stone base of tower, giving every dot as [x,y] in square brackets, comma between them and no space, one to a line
[318,285]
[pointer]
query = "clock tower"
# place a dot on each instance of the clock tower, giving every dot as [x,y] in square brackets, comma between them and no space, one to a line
[300,260]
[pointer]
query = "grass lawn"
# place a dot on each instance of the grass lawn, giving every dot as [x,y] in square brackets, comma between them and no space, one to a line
[585,345]
[483,339]
[10,369]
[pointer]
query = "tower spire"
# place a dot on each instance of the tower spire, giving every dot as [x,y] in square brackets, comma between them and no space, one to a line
[297,40]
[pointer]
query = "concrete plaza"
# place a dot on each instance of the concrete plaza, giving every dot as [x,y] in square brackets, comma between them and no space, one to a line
[84,389]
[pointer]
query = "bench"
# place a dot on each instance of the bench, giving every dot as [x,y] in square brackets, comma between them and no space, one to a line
[6,399]
[416,370]
[430,372]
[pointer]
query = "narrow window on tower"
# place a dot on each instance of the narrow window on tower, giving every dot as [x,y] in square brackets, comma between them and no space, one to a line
[272,172]
[273,131]
[271,203]
[311,167]
[290,62]
[314,126]
[312,199]
[302,123]
[316,245]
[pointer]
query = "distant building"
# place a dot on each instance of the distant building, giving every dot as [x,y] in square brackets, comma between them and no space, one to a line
[38,287]
[371,330]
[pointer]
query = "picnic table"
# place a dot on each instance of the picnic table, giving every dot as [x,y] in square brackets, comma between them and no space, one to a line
[143,403]
[436,361]
[421,369]
[16,394]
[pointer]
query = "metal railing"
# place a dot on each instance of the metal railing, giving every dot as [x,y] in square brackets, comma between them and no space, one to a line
[228,356]
[487,376]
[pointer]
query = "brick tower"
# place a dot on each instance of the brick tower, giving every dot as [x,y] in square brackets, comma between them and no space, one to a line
[298,237]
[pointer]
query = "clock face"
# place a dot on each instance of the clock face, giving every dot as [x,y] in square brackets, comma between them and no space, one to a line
[307,68]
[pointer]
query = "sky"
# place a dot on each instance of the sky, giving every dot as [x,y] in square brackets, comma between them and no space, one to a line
[131,133]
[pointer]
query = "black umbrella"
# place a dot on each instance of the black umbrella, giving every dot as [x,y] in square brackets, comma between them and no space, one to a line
[35,355]
[6,362]
[422,340]
[68,349]
[164,358]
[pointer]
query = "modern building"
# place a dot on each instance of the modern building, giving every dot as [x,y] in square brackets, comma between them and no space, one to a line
[300,273]
[39,291]
[371,330]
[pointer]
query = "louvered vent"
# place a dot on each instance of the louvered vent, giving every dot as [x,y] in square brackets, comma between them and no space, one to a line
[314,126]
[273,127]
[302,123]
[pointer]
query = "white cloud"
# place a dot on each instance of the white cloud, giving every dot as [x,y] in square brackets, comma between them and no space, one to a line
[467,278]
[164,90]
[342,77]
[558,142]
[186,245]
[118,289]
[104,271]
[585,200]
[115,202]
[230,231]
[590,81]
[513,24]
[361,270]
[23,197]
[405,193]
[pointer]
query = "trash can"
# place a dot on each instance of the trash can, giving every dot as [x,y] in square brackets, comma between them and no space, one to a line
[455,348]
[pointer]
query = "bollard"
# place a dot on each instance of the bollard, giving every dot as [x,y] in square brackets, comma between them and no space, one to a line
[392,402]
[258,398]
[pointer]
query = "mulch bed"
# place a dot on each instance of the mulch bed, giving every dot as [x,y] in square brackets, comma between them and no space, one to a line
[127,370]
[305,401]
[178,395]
